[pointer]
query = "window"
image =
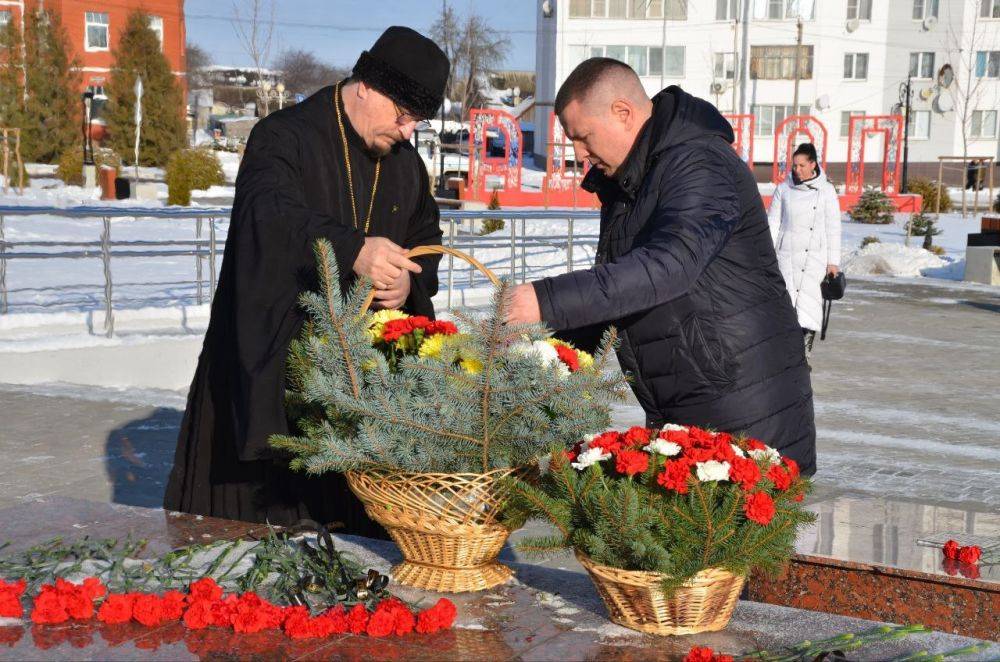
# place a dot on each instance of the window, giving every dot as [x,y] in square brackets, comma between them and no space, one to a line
[845,121]
[778,62]
[855,66]
[859,9]
[724,66]
[782,9]
[726,10]
[920,124]
[988,64]
[156,25]
[676,10]
[97,31]
[984,124]
[922,65]
[4,18]
[646,60]
[924,9]
[768,118]
[989,9]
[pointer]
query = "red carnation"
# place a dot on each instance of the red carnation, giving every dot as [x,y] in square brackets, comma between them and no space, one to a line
[198,615]
[793,466]
[756,445]
[396,329]
[705,654]
[336,617]
[117,608]
[357,619]
[148,609]
[699,453]
[637,436]
[631,462]
[10,599]
[675,475]
[204,589]
[76,599]
[970,554]
[723,451]
[700,436]
[92,588]
[571,455]
[297,622]
[48,608]
[679,437]
[380,624]
[609,442]
[759,507]
[951,550]
[443,328]
[569,357]
[778,475]
[173,605]
[744,471]
[439,617]
[224,610]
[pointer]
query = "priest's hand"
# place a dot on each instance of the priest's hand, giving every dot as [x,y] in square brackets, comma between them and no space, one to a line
[522,305]
[383,262]
[395,296]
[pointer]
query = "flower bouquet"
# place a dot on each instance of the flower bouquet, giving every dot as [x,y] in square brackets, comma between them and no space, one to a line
[426,417]
[668,522]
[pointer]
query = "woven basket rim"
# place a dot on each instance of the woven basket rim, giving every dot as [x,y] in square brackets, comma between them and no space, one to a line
[644,577]
[389,472]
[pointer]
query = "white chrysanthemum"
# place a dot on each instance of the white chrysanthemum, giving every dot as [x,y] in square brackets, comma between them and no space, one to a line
[739,451]
[772,456]
[712,470]
[545,352]
[663,447]
[672,427]
[589,457]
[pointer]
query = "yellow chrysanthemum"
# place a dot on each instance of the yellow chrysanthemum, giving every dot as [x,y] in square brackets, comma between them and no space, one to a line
[379,319]
[471,365]
[555,342]
[431,347]
[586,359]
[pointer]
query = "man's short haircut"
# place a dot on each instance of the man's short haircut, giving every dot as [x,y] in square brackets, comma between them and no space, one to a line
[587,75]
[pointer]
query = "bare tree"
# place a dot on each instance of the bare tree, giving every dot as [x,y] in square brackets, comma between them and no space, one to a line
[475,51]
[303,72]
[254,25]
[972,89]
[198,61]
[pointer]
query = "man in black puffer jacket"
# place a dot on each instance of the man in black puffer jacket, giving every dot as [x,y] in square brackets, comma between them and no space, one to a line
[685,267]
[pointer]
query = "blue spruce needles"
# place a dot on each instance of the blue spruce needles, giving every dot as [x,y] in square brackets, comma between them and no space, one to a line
[485,400]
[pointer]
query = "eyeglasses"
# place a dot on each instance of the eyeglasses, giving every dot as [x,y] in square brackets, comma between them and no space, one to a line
[403,117]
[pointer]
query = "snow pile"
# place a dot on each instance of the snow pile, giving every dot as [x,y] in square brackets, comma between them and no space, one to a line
[883,259]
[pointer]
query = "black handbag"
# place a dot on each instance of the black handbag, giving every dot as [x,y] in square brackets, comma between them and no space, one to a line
[832,288]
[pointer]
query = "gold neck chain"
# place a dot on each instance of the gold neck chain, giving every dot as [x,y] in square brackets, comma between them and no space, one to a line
[337,100]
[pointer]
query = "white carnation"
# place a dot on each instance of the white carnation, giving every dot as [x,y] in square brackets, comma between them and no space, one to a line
[663,447]
[712,470]
[544,352]
[772,456]
[739,451]
[672,427]
[589,457]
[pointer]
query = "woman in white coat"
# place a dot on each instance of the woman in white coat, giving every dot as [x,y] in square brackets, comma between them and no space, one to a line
[805,226]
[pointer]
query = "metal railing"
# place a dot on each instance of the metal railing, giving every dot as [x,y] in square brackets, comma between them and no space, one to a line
[457,235]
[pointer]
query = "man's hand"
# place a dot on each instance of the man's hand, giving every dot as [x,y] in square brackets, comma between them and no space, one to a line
[383,262]
[396,295]
[522,305]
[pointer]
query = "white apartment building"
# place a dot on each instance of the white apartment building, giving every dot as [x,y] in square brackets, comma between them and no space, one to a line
[855,56]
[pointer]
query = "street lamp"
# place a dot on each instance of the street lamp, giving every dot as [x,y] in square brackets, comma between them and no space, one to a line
[277,93]
[905,96]
[88,148]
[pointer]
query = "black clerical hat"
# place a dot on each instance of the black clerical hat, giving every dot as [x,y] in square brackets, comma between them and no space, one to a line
[407,67]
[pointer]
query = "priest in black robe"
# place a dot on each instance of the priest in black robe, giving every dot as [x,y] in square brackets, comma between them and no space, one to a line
[338,166]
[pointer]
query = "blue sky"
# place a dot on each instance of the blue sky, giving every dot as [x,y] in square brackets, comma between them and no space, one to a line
[338,30]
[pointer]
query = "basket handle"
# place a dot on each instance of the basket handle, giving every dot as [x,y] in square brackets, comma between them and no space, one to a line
[439,250]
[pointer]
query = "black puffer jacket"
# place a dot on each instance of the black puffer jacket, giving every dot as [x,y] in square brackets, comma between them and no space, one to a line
[687,273]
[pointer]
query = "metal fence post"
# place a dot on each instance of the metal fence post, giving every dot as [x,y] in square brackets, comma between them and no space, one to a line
[524,249]
[109,313]
[211,258]
[197,256]
[3,270]
[451,259]
[513,251]
[569,244]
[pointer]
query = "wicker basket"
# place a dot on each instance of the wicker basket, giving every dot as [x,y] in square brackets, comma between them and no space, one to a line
[445,526]
[634,599]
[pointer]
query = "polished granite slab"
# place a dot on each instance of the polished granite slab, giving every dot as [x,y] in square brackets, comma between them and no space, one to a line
[551,611]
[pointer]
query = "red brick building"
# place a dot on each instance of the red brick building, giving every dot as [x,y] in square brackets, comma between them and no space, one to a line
[94,27]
